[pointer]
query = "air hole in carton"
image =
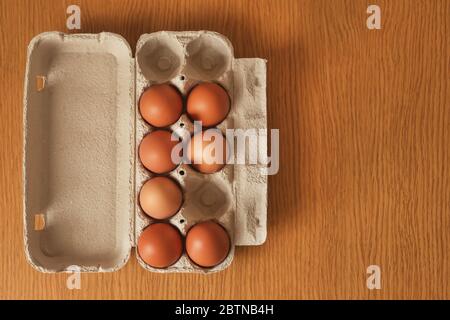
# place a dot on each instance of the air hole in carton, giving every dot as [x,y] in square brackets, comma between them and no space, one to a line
[181,125]
[208,57]
[181,172]
[182,78]
[182,221]
[160,58]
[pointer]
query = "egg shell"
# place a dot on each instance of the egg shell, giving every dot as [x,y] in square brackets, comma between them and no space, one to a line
[209,103]
[200,147]
[160,197]
[161,105]
[207,244]
[155,151]
[160,245]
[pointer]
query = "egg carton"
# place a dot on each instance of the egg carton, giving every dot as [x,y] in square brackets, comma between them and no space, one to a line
[82,129]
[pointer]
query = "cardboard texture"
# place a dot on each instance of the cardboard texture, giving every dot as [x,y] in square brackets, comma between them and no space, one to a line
[82,128]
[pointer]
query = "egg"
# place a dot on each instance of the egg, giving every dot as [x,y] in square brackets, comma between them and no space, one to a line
[160,197]
[160,245]
[155,151]
[207,244]
[208,153]
[209,103]
[161,105]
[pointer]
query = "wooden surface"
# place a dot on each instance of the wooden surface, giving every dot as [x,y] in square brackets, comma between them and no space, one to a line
[365,137]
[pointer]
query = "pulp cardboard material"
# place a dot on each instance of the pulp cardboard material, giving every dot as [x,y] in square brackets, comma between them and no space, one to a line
[82,128]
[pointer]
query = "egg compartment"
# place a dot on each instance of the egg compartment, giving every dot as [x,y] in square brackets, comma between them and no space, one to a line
[192,58]
[81,129]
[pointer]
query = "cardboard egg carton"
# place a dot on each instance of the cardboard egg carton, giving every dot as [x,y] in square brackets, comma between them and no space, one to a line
[82,129]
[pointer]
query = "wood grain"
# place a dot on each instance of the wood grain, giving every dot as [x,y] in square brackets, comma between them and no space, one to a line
[365,134]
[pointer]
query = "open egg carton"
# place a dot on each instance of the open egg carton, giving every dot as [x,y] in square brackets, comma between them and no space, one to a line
[82,130]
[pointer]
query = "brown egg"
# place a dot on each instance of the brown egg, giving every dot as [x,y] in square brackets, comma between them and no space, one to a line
[155,151]
[205,153]
[207,244]
[161,105]
[160,197]
[209,103]
[160,245]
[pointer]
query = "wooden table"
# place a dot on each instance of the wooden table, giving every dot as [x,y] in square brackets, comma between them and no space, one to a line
[365,138]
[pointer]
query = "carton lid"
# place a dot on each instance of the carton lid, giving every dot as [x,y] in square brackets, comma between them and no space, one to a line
[78,152]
